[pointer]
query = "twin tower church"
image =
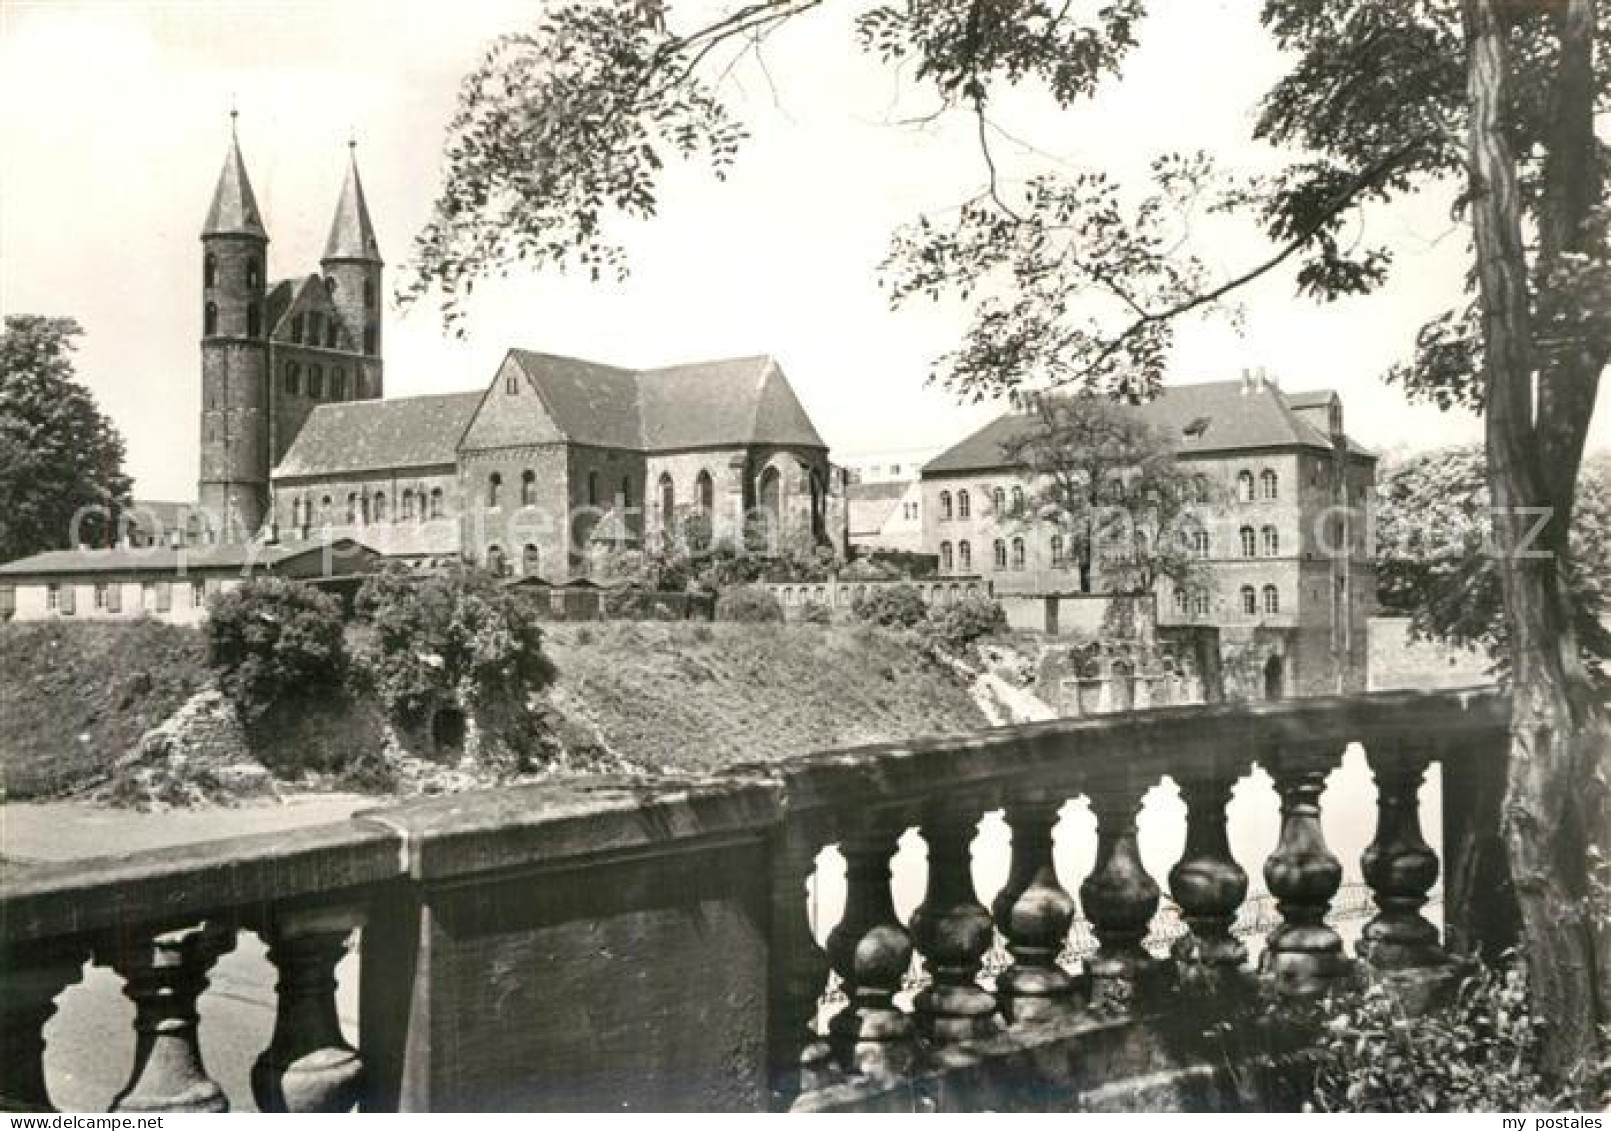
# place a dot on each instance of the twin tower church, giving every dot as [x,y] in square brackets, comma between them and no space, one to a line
[524,474]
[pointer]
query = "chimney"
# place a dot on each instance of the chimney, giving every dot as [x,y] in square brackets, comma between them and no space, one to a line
[1247,381]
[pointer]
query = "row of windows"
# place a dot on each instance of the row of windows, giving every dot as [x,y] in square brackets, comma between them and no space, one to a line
[961,561]
[155,596]
[312,329]
[498,561]
[254,320]
[1269,486]
[253,272]
[1196,601]
[963,505]
[293,381]
[363,508]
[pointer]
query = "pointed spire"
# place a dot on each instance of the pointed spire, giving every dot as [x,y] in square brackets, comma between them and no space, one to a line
[234,210]
[352,236]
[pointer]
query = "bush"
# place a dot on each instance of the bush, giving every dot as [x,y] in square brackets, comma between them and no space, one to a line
[892,606]
[749,604]
[270,640]
[448,637]
[815,613]
[1479,1052]
[956,626]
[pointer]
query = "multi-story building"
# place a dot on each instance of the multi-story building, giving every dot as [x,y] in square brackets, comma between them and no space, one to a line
[1288,576]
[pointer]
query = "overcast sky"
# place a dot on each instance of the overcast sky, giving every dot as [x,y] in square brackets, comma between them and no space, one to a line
[114,122]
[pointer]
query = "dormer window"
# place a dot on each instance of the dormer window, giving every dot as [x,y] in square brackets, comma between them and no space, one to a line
[1196,429]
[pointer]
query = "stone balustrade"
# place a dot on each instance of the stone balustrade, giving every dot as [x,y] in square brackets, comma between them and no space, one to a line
[650,944]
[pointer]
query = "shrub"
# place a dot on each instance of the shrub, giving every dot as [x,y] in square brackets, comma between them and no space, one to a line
[440,637]
[892,606]
[749,604]
[271,639]
[816,613]
[957,625]
[1478,1052]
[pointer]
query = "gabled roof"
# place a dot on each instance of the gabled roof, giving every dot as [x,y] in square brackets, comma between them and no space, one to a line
[728,403]
[352,235]
[170,559]
[872,504]
[289,297]
[1213,417]
[351,436]
[234,208]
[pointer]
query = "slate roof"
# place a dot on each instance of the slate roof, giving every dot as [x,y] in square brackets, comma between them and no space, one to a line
[166,559]
[1229,420]
[727,403]
[352,234]
[351,436]
[234,209]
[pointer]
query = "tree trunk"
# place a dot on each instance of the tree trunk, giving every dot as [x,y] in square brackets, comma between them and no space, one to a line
[1555,809]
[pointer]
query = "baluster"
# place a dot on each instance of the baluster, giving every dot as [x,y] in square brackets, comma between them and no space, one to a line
[871,953]
[308,1065]
[952,931]
[1209,886]
[1034,913]
[1303,954]
[799,972]
[32,977]
[1399,866]
[1120,899]
[165,974]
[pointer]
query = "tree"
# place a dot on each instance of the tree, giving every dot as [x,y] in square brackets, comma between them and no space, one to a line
[1075,282]
[1432,563]
[61,459]
[1109,483]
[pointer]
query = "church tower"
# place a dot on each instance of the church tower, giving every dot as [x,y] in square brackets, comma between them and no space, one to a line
[352,272]
[234,479]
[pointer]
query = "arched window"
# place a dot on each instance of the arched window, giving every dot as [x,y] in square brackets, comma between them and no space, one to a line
[254,320]
[329,284]
[436,502]
[494,488]
[529,560]
[371,340]
[592,488]
[369,294]
[209,319]
[668,502]
[324,510]
[1057,550]
[964,505]
[407,511]
[705,489]
[945,506]
[1272,600]
[1249,546]
[296,511]
[251,274]
[945,557]
[1180,601]
[1017,553]
[338,384]
[965,557]
[998,501]
[380,506]
[1250,601]
[352,507]
[626,490]
[998,553]
[1244,486]
[363,509]
[1269,485]
[528,488]
[209,271]
[1270,541]
[296,328]
[315,327]
[496,565]
[1018,500]
[293,378]
[316,381]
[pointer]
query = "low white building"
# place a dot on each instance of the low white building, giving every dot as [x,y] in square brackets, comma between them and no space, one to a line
[166,583]
[886,516]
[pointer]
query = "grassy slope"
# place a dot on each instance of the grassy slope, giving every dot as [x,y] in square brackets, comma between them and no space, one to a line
[75,697]
[683,697]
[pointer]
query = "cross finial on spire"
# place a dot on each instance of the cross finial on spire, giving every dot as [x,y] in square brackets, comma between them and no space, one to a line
[234,113]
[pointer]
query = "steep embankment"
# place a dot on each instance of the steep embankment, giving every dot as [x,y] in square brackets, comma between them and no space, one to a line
[696,698]
[75,697]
